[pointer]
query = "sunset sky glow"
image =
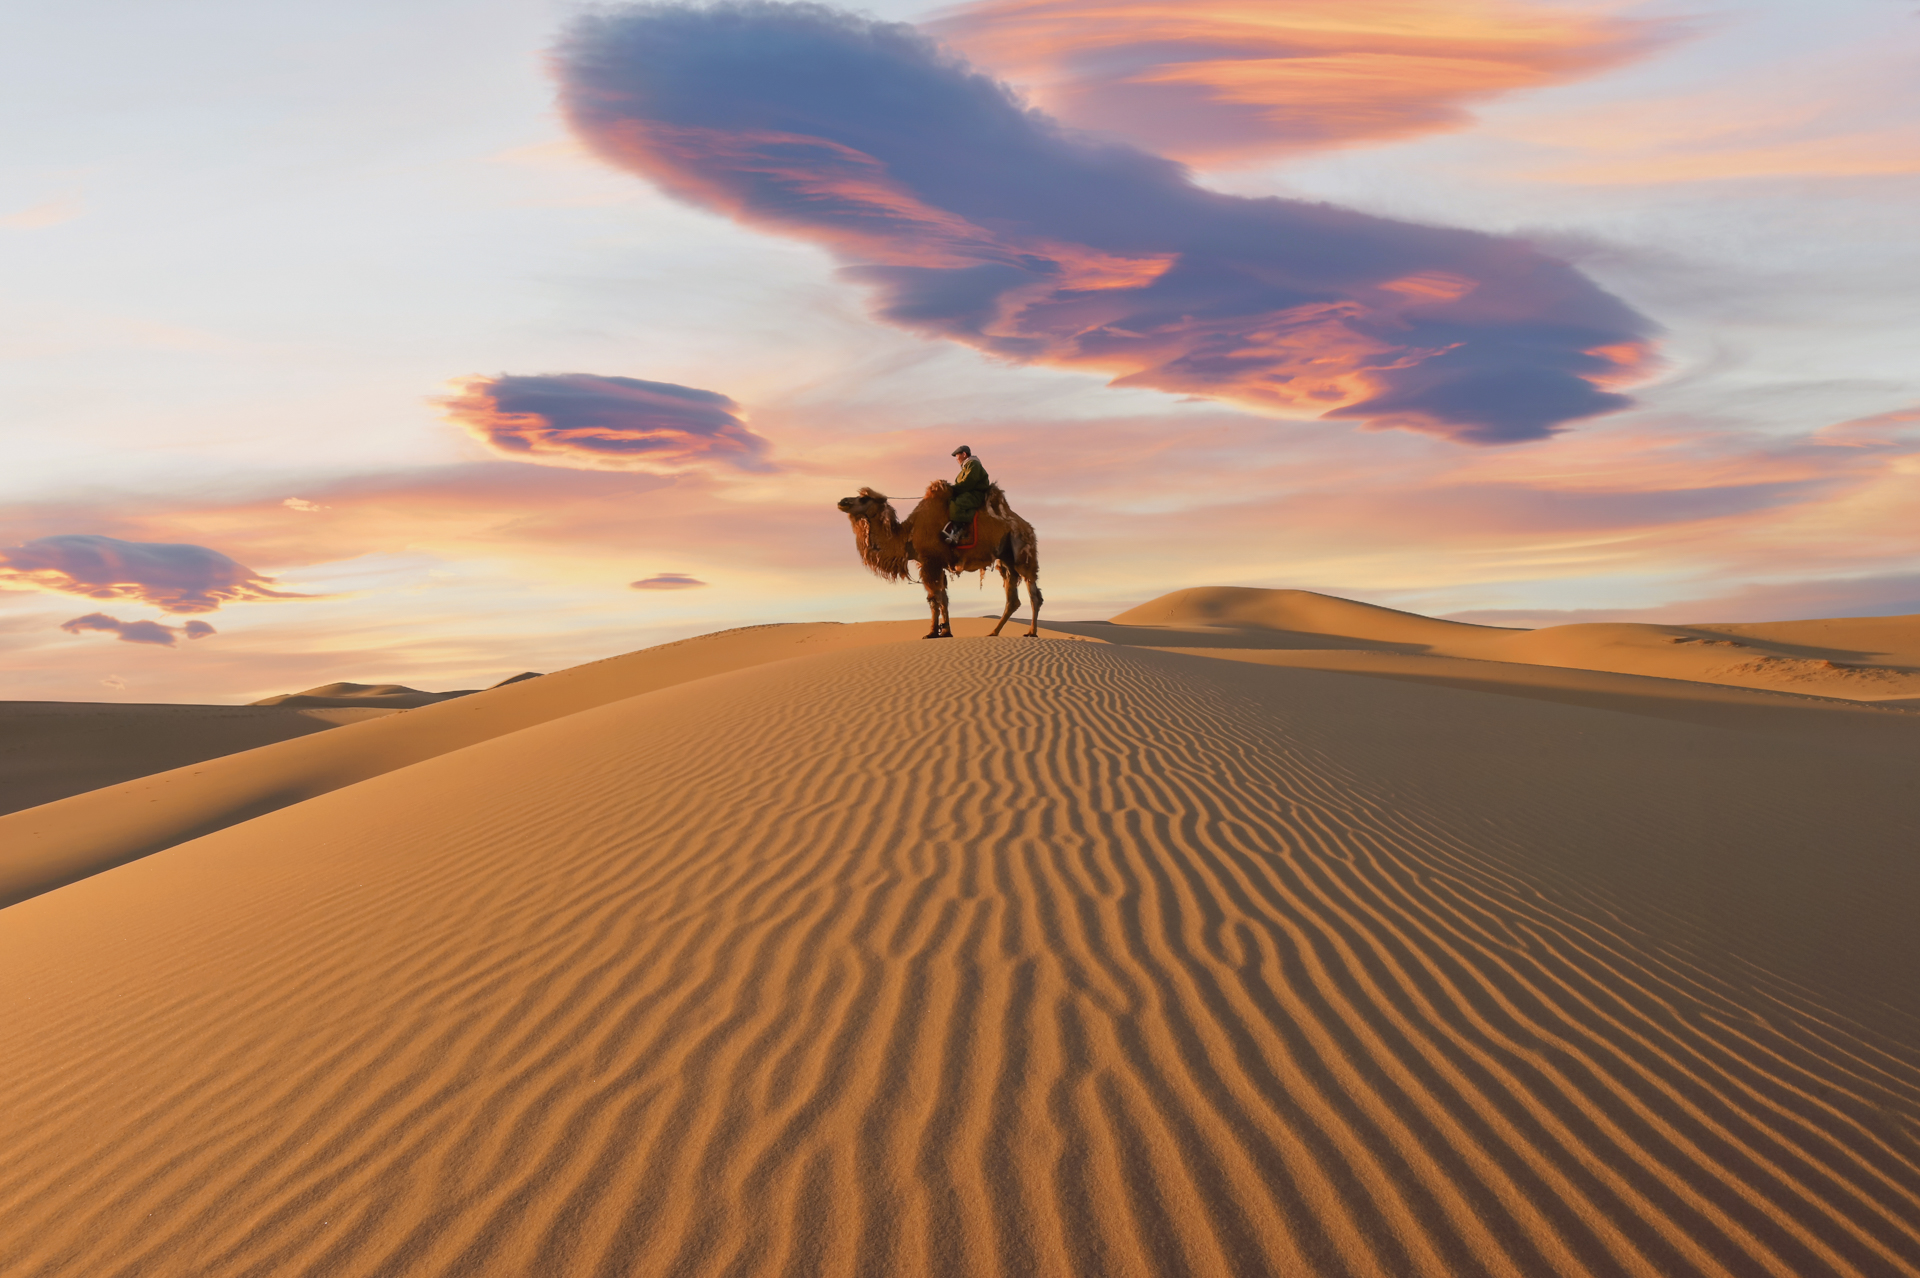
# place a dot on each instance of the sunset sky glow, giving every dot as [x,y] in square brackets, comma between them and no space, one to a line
[432,343]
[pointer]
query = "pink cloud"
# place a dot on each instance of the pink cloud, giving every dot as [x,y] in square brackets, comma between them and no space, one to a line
[1241,80]
[172,577]
[150,632]
[1141,505]
[606,423]
[1854,112]
[491,510]
[666,581]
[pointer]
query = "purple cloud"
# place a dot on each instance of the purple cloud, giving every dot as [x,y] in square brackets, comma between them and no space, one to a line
[137,631]
[975,218]
[606,423]
[666,581]
[171,577]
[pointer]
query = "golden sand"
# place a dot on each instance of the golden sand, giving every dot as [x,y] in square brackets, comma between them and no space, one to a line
[811,950]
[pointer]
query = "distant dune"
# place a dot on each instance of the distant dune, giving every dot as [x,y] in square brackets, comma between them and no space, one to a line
[52,749]
[1851,658]
[391,696]
[1261,932]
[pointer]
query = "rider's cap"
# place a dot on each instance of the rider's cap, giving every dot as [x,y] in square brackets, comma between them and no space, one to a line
[962,449]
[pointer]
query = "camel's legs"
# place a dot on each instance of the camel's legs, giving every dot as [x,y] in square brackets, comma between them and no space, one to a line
[1011,580]
[1033,593]
[935,580]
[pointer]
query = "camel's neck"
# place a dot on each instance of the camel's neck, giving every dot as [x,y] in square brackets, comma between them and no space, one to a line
[883,543]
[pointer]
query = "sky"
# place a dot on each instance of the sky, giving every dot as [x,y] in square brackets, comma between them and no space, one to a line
[431,343]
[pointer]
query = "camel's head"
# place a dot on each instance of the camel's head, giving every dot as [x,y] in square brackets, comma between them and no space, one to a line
[865,506]
[878,534]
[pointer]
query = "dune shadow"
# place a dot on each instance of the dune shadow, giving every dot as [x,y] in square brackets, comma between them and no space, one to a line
[1781,648]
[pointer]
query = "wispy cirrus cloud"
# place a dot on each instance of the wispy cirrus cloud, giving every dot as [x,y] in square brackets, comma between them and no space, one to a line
[606,423]
[149,632]
[53,212]
[977,219]
[1883,595]
[1854,113]
[173,577]
[1240,80]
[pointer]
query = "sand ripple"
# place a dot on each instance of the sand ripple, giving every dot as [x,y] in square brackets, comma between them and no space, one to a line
[970,958]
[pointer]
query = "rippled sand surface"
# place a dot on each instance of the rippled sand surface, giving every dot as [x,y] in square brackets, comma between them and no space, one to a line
[1001,957]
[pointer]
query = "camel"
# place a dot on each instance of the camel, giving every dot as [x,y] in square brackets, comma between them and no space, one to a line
[1005,542]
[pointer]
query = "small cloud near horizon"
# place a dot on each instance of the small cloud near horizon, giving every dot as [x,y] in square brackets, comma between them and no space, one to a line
[301,504]
[177,578]
[149,632]
[666,581]
[588,421]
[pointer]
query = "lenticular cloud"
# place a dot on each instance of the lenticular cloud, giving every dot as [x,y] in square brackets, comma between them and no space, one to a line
[606,423]
[977,219]
[1239,80]
[173,577]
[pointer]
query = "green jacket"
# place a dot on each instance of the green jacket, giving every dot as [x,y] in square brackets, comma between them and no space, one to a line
[969,490]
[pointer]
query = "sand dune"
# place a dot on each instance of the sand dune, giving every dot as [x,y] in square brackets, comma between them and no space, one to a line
[46,846]
[117,814]
[1303,619]
[1854,659]
[52,749]
[393,696]
[999,957]
[334,696]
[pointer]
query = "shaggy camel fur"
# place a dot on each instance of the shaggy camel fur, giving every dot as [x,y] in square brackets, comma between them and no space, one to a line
[889,547]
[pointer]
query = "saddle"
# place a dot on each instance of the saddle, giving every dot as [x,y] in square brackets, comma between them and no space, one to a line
[968,539]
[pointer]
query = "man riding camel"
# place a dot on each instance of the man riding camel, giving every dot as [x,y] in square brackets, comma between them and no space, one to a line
[969,495]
